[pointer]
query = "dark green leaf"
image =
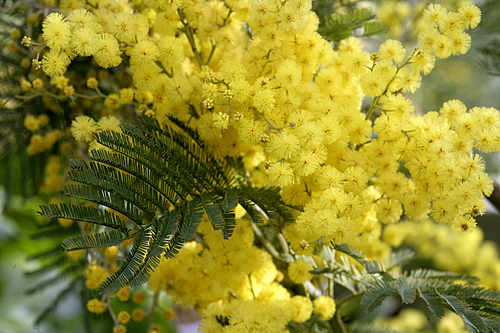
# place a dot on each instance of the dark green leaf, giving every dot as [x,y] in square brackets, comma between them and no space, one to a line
[433,302]
[103,239]
[406,292]
[130,265]
[375,295]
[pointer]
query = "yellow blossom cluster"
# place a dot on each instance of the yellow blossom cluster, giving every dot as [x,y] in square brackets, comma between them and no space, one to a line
[95,274]
[236,280]
[407,19]
[79,34]
[332,125]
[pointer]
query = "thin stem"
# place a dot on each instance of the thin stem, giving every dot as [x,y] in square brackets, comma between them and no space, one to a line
[112,313]
[211,53]
[376,99]
[270,248]
[372,107]
[190,37]
[164,70]
[251,286]
[194,113]
[152,310]
[283,242]
[337,323]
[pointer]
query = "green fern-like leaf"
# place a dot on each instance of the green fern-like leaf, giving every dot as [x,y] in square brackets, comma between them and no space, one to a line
[63,275]
[104,198]
[342,25]
[63,295]
[84,214]
[374,297]
[163,235]
[130,265]
[440,291]
[433,302]
[103,239]
[489,59]
[163,180]
[406,292]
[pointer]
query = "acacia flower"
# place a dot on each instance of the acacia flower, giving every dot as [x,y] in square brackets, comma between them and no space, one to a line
[54,63]
[56,31]
[83,128]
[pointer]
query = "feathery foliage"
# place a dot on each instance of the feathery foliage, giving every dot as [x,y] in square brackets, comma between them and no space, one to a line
[489,60]
[163,181]
[478,307]
[360,22]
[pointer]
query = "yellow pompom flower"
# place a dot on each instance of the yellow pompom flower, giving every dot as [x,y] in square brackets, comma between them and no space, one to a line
[84,42]
[389,210]
[423,61]
[408,80]
[471,15]
[144,52]
[428,39]
[92,83]
[459,42]
[178,89]
[54,63]
[146,77]
[31,123]
[264,100]
[96,306]
[121,329]
[392,49]
[109,123]
[221,120]
[37,83]
[442,48]
[453,110]
[283,145]
[289,74]
[307,162]
[324,306]
[299,271]
[83,128]
[451,22]
[82,19]
[168,314]
[434,13]
[137,314]
[272,37]
[69,90]
[329,80]
[281,174]
[310,135]
[171,51]
[43,119]
[123,317]
[123,27]
[56,31]
[373,85]
[123,293]
[126,95]
[108,51]
[302,308]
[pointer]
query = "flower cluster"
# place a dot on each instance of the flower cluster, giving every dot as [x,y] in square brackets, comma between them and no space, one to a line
[236,280]
[333,126]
